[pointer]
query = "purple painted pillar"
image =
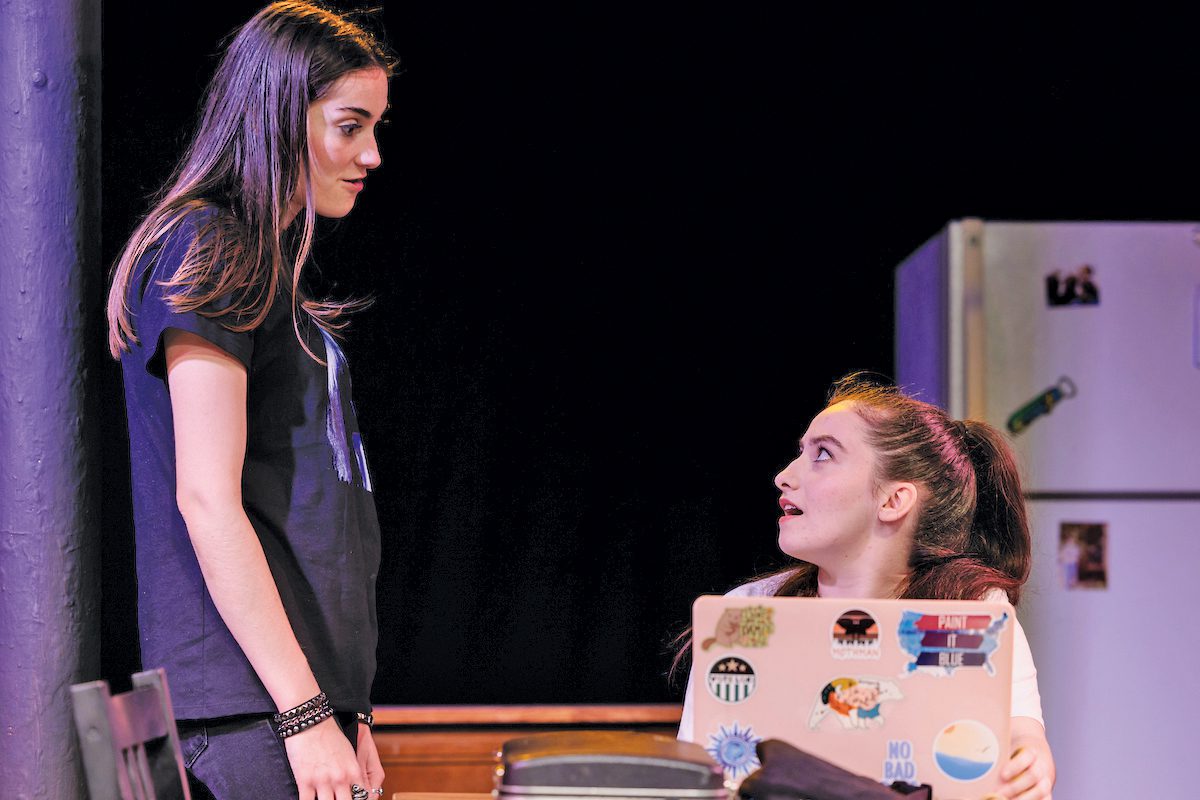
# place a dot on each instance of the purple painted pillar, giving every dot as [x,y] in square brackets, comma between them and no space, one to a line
[50,293]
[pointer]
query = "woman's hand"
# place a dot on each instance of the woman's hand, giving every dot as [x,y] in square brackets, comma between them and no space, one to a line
[368,761]
[323,762]
[1029,773]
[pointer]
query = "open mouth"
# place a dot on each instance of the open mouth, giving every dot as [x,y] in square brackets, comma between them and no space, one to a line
[789,508]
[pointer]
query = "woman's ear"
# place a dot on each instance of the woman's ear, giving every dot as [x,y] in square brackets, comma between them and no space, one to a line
[901,498]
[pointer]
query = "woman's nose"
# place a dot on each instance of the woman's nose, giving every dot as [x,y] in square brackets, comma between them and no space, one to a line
[370,157]
[786,479]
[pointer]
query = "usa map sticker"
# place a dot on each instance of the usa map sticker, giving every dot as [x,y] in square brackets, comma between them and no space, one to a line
[855,635]
[731,679]
[966,750]
[942,643]
[733,748]
[855,702]
[751,626]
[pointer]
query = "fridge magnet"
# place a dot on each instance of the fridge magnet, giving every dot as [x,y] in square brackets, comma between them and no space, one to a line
[733,749]
[855,635]
[731,679]
[965,750]
[855,702]
[743,627]
[899,764]
[1083,555]
[939,644]
[1041,405]
[1076,288]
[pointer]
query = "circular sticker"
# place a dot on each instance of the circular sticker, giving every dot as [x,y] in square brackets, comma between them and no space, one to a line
[855,635]
[731,679]
[733,748]
[965,750]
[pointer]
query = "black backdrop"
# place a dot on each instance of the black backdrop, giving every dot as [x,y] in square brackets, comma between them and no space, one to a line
[618,251]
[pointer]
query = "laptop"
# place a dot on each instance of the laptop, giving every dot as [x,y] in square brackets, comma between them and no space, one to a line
[897,690]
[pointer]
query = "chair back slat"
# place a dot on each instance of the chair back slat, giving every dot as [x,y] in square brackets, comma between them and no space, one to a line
[136,716]
[114,732]
[132,778]
[144,777]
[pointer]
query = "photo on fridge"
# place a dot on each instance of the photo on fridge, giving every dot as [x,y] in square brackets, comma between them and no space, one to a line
[1083,555]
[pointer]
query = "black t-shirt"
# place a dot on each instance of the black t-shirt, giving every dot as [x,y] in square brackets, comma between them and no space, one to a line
[305,487]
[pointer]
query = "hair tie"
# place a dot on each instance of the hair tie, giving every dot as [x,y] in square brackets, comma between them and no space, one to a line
[960,427]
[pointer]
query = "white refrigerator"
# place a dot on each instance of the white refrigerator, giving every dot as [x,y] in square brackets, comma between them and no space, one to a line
[1085,339]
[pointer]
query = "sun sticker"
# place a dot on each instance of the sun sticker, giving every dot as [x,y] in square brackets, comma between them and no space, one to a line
[966,750]
[733,748]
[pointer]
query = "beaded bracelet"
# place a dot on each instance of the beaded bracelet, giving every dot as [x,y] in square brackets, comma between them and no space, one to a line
[302,717]
[365,719]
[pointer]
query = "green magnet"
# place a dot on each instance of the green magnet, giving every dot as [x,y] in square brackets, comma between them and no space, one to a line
[1044,403]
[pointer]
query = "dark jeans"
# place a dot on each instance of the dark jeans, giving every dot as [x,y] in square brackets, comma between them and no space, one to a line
[241,757]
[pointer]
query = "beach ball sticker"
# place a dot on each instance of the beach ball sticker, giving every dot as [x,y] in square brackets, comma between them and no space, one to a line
[965,750]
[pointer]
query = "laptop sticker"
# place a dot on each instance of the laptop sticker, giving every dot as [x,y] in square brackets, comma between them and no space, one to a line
[731,679]
[855,702]
[855,636]
[899,764]
[743,627]
[733,748]
[965,750]
[941,643]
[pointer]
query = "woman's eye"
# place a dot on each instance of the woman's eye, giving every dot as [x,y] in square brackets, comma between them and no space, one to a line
[349,128]
[823,454]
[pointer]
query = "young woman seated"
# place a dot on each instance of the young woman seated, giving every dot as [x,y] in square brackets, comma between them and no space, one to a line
[890,497]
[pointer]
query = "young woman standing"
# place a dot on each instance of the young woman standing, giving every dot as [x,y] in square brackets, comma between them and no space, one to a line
[257,540]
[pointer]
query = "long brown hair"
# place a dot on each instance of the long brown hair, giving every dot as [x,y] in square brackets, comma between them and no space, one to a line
[245,163]
[972,533]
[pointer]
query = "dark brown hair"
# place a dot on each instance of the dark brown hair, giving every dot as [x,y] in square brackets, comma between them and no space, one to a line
[245,162]
[972,534]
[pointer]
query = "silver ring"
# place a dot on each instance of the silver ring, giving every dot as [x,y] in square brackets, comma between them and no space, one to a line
[358,793]
[378,792]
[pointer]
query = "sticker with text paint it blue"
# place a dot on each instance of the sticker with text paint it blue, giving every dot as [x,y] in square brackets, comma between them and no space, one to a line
[731,679]
[750,626]
[899,764]
[939,644]
[855,702]
[855,635]
[966,750]
[733,748]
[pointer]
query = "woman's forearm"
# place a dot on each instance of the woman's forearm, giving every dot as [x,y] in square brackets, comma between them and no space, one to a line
[208,402]
[243,590]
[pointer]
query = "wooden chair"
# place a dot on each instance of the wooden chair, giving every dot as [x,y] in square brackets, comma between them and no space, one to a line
[129,742]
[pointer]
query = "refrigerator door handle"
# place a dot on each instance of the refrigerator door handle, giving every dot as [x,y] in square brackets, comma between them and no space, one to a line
[1196,329]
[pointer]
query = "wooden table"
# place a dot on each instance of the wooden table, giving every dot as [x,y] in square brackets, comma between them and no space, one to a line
[449,752]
